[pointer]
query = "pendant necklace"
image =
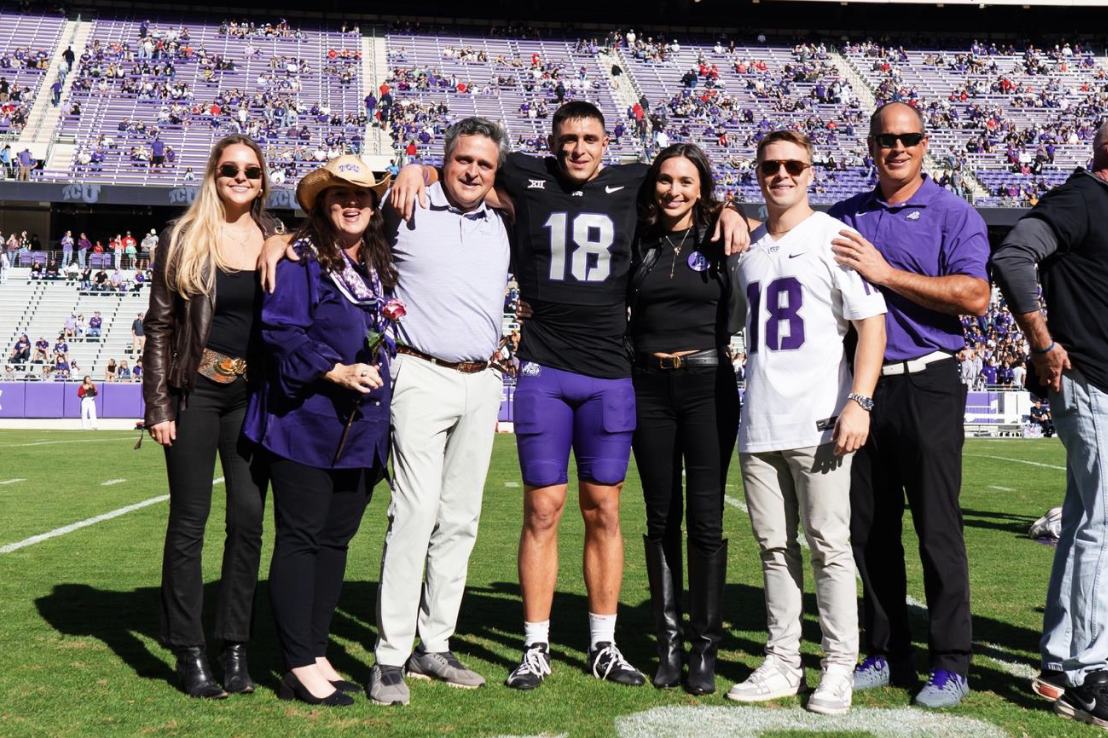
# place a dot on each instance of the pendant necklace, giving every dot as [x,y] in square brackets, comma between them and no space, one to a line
[676,250]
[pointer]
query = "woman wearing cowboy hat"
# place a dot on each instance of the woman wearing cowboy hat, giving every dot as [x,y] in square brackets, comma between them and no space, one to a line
[201,335]
[323,414]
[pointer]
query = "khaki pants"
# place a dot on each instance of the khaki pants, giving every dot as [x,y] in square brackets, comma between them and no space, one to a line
[809,486]
[443,425]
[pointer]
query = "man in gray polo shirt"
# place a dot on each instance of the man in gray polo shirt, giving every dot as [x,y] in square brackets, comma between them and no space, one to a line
[452,259]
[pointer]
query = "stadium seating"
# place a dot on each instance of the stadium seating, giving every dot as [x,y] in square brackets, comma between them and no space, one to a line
[105,105]
[969,93]
[32,33]
[503,100]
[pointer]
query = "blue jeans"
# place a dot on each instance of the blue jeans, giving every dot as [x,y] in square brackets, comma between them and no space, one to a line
[1075,626]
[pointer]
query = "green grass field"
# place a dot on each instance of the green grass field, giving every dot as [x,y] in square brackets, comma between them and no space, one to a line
[78,615]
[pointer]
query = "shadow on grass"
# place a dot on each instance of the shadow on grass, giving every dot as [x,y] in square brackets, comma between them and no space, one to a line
[993,520]
[490,630]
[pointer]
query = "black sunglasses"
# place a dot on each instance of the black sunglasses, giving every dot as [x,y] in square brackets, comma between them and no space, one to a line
[794,167]
[232,170]
[888,140]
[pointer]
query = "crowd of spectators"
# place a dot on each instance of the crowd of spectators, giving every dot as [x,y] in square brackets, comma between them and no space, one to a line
[996,352]
[69,257]
[272,110]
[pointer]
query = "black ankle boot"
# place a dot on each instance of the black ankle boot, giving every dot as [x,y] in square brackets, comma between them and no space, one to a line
[663,568]
[707,575]
[195,674]
[236,677]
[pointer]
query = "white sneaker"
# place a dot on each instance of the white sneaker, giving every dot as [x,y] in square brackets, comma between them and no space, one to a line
[833,695]
[770,681]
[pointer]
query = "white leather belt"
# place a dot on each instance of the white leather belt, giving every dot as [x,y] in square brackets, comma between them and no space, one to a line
[913,365]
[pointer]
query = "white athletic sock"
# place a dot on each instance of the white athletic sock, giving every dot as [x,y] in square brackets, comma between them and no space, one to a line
[536,632]
[602,629]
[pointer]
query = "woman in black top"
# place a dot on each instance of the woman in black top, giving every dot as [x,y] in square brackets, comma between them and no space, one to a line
[203,340]
[683,313]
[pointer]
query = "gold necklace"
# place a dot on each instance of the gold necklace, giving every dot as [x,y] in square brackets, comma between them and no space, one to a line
[676,250]
[241,242]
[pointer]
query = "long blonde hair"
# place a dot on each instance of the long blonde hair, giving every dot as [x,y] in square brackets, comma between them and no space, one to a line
[194,237]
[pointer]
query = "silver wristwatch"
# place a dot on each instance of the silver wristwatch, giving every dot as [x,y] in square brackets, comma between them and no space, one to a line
[865,402]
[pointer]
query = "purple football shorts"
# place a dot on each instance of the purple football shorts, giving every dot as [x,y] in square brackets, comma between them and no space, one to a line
[555,410]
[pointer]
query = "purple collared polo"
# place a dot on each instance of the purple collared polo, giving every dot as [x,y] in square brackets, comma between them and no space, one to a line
[935,234]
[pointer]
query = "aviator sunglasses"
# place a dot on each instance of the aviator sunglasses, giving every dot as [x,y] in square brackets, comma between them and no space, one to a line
[794,167]
[232,170]
[888,140]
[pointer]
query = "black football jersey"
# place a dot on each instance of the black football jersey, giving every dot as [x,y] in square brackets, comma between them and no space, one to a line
[573,243]
[572,254]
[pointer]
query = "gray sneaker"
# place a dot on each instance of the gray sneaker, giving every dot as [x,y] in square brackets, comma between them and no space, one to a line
[943,689]
[442,665]
[386,685]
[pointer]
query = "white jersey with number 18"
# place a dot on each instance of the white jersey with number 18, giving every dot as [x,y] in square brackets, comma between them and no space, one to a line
[800,302]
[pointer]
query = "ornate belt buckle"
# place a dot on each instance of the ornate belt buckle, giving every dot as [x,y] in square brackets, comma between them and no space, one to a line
[670,362]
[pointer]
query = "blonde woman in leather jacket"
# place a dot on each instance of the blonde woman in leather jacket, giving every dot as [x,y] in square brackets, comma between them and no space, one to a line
[201,365]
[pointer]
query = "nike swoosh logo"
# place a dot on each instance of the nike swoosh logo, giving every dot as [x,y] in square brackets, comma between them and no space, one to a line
[858,215]
[1086,706]
[610,190]
[793,256]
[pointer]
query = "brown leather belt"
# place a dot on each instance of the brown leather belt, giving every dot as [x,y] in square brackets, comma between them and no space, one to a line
[465,367]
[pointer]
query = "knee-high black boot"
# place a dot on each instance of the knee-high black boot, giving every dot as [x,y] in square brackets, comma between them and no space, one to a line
[707,574]
[663,568]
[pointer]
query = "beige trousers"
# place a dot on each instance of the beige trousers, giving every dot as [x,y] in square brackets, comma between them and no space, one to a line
[810,487]
[443,425]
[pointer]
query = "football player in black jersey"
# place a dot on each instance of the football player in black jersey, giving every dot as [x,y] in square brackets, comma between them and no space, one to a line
[574,226]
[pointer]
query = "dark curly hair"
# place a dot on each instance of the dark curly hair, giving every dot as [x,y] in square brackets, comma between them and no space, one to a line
[375,251]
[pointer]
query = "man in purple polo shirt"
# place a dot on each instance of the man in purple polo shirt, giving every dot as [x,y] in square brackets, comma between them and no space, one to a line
[926,250]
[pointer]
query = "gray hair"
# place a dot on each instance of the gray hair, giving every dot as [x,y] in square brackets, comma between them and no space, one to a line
[476,126]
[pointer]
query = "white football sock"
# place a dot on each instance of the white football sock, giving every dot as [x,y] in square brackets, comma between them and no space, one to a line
[536,632]
[602,629]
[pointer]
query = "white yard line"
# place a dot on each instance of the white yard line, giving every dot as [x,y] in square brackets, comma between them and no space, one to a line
[13,481]
[81,524]
[511,484]
[1002,489]
[90,521]
[1003,660]
[1020,461]
[110,482]
[56,443]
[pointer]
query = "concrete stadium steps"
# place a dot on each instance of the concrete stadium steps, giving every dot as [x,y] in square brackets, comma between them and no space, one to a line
[43,306]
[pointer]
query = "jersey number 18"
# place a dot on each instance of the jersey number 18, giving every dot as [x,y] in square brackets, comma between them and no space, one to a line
[592,235]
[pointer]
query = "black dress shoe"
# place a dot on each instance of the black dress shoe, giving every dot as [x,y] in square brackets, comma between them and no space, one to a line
[290,688]
[236,678]
[195,674]
[344,686]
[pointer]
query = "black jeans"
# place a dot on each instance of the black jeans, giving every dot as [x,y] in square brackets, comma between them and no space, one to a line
[685,416]
[211,419]
[318,511]
[914,449]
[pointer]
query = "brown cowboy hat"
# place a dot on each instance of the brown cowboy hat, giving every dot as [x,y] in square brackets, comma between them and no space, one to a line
[342,170]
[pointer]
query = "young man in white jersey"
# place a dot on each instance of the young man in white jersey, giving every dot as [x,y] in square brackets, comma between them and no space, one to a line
[804,415]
